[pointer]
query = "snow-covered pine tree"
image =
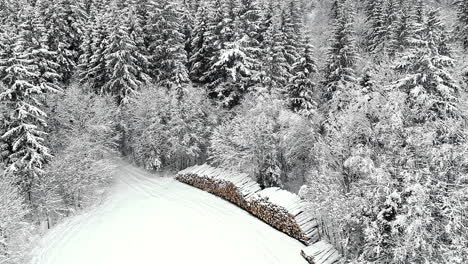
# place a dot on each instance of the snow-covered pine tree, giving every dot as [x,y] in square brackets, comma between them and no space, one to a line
[249,35]
[438,32]
[301,87]
[220,40]
[462,27]
[377,25]
[268,16]
[342,56]
[213,40]
[86,50]
[392,13]
[199,60]
[403,30]
[64,20]
[431,89]
[187,20]
[424,189]
[126,65]
[234,65]
[336,6]
[291,26]
[276,71]
[27,75]
[168,58]
[92,68]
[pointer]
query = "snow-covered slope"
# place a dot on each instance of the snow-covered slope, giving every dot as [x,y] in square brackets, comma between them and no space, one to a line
[154,220]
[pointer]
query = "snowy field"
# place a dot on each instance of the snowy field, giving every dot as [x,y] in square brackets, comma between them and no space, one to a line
[148,219]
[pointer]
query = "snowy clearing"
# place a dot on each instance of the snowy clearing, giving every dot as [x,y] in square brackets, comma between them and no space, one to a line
[149,219]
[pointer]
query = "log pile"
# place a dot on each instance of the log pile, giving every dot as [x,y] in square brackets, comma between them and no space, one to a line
[286,212]
[321,253]
[229,185]
[280,209]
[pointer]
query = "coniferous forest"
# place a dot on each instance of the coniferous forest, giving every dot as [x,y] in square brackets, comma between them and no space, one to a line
[359,106]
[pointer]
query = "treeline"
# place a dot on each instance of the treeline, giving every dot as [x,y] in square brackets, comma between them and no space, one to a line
[378,134]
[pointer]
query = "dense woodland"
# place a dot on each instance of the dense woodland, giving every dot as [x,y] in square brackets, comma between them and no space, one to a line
[362,103]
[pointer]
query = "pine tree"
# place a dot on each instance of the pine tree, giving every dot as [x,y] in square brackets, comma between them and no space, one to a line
[187,19]
[168,57]
[126,65]
[276,71]
[92,67]
[199,61]
[378,26]
[462,27]
[341,56]
[291,32]
[432,92]
[337,4]
[27,75]
[436,31]
[64,20]
[301,87]
[234,62]
[403,31]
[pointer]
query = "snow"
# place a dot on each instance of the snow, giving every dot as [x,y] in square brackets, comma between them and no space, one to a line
[150,219]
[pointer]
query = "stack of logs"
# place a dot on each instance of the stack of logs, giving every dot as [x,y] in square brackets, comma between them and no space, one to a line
[229,185]
[286,212]
[321,252]
[280,209]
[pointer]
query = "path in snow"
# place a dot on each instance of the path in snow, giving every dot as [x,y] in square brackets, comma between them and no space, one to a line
[148,219]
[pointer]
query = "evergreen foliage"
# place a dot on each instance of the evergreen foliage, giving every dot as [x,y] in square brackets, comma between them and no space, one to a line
[28,73]
[377,131]
[126,65]
[167,56]
[462,28]
[432,90]
[301,88]
[342,56]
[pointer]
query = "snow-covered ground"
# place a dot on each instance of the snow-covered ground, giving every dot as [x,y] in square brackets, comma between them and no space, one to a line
[149,219]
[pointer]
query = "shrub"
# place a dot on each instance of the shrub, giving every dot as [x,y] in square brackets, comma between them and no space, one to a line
[264,140]
[166,130]
[85,140]
[12,220]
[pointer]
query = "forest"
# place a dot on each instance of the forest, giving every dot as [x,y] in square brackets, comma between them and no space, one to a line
[357,105]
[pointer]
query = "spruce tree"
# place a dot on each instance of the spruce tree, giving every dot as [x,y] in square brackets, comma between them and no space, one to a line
[126,65]
[27,74]
[213,40]
[432,91]
[187,20]
[291,32]
[403,31]
[301,87]
[276,71]
[462,27]
[168,58]
[64,20]
[342,55]
[378,28]
[234,64]
[199,60]
[92,67]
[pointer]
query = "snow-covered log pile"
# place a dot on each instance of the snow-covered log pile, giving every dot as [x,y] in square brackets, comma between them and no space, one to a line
[229,185]
[280,209]
[321,253]
[286,212]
